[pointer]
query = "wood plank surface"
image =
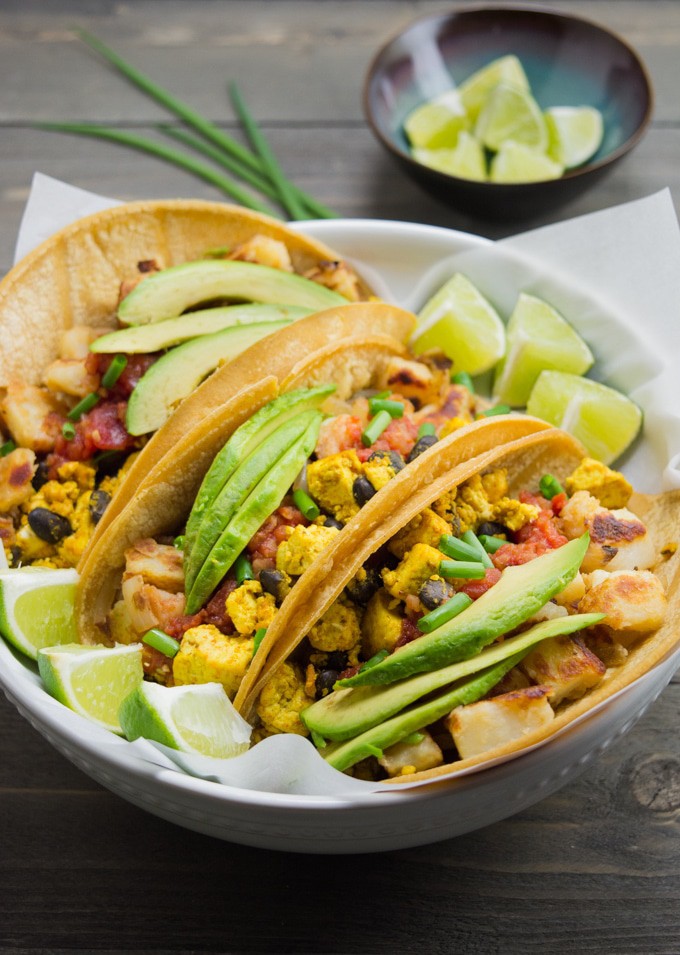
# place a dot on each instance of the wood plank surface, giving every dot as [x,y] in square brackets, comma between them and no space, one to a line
[594,868]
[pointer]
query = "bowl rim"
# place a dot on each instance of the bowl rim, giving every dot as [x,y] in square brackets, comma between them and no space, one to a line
[547,12]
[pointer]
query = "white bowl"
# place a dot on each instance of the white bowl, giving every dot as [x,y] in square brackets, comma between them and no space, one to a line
[404,262]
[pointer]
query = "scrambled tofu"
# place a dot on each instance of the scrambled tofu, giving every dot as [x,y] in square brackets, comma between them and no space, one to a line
[338,629]
[485,498]
[331,482]
[303,547]
[381,624]
[206,655]
[425,528]
[380,469]
[250,608]
[609,487]
[282,700]
[417,566]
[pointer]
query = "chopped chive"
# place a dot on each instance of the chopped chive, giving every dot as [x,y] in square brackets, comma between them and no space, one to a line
[258,638]
[383,394]
[491,544]
[243,569]
[87,404]
[470,538]
[375,428]
[457,549]
[287,197]
[179,542]
[7,448]
[395,409]
[550,487]
[163,152]
[413,738]
[161,641]
[305,504]
[445,612]
[426,429]
[68,430]
[462,569]
[463,378]
[497,409]
[375,659]
[114,371]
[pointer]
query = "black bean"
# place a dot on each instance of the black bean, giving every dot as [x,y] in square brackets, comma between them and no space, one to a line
[273,582]
[99,501]
[493,529]
[48,526]
[422,444]
[433,593]
[364,585]
[336,660]
[325,681]
[41,475]
[331,522]
[393,458]
[363,490]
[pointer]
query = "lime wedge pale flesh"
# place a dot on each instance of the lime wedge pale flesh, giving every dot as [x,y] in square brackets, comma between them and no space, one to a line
[36,607]
[475,91]
[193,719]
[515,162]
[437,123]
[461,322]
[92,680]
[466,160]
[575,134]
[538,339]
[511,113]
[604,420]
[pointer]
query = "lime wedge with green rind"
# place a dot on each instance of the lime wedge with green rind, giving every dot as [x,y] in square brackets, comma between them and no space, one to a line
[466,160]
[511,114]
[604,420]
[461,322]
[575,134]
[193,719]
[538,339]
[36,608]
[437,123]
[92,681]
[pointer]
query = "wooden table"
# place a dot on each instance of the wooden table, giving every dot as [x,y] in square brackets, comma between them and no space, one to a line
[595,867]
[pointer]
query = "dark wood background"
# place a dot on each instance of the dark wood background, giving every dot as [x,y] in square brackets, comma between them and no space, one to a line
[594,868]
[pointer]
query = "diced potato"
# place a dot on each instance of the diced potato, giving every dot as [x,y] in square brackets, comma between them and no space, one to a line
[565,665]
[618,538]
[412,757]
[633,602]
[16,473]
[149,606]
[26,409]
[70,376]
[572,593]
[75,342]
[488,724]
[158,564]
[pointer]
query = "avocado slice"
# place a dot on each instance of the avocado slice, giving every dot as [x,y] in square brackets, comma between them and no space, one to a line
[177,373]
[374,741]
[249,473]
[257,507]
[243,442]
[168,293]
[142,339]
[347,713]
[520,592]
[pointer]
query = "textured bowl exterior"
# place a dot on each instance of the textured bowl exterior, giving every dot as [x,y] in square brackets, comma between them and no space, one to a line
[568,60]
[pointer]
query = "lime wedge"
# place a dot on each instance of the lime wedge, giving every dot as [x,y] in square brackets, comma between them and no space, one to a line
[538,338]
[194,719]
[437,123]
[604,420]
[515,162]
[36,608]
[511,113]
[463,324]
[475,91]
[574,134]
[93,681]
[466,160]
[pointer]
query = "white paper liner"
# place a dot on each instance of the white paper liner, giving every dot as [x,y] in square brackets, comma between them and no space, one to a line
[614,273]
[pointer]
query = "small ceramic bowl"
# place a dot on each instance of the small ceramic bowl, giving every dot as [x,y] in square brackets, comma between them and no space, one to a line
[568,61]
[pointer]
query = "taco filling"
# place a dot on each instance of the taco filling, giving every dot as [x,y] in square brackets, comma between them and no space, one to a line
[477,622]
[67,442]
[277,494]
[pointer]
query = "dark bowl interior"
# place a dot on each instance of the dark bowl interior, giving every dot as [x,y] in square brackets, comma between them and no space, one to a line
[569,62]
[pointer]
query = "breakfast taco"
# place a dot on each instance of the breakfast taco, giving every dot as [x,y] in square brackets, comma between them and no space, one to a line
[264,491]
[106,328]
[504,598]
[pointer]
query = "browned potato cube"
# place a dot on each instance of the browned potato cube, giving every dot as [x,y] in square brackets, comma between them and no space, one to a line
[484,726]
[565,665]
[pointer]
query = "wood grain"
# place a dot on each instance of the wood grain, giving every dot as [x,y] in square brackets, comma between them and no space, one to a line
[594,868]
